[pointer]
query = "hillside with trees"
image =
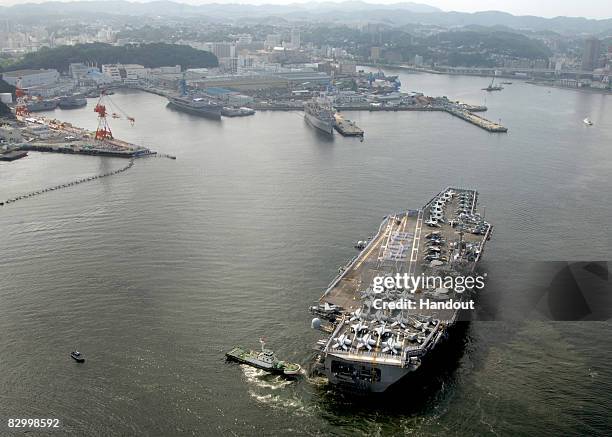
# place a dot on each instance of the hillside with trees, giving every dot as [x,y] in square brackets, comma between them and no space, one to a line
[149,55]
[473,48]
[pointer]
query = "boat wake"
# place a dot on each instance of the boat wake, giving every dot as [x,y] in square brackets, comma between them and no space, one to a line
[264,389]
[263,379]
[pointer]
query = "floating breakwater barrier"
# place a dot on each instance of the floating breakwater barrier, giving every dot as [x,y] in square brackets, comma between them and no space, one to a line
[162,155]
[68,184]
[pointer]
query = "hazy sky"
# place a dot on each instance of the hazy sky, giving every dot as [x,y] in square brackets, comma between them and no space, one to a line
[543,8]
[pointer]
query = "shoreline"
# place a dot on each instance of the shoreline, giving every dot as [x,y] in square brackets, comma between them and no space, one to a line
[502,76]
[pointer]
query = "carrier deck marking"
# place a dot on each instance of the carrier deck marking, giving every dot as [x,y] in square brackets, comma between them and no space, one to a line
[345,290]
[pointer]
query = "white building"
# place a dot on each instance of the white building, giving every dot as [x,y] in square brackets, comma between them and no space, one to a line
[135,70]
[112,71]
[30,78]
[126,73]
[134,73]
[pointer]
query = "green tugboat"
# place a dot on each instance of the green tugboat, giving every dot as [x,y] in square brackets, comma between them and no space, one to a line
[265,360]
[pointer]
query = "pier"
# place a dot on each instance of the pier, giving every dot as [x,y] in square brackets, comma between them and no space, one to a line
[347,128]
[457,109]
[476,120]
[83,149]
[62,137]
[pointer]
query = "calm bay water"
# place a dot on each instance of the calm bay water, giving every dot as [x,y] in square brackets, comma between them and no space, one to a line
[156,272]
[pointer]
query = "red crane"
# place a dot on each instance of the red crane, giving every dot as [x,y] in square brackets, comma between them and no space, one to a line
[104,132]
[21,109]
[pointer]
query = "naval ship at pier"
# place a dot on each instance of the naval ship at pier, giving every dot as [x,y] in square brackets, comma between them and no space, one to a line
[319,113]
[370,348]
[200,106]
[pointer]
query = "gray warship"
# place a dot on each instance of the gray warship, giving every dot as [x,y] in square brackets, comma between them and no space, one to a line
[319,113]
[376,336]
[200,106]
[72,102]
[42,105]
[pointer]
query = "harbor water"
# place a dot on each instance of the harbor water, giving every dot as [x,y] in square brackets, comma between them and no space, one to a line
[155,272]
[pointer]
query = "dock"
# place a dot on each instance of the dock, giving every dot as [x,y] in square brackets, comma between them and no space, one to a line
[347,128]
[460,110]
[62,137]
[476,120]
[12,155]
[83,149]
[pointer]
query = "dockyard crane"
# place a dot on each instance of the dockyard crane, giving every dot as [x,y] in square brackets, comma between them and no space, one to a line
[103,131]
[21,109]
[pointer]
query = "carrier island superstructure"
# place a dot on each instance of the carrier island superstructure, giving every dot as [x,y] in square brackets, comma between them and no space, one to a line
[372,345]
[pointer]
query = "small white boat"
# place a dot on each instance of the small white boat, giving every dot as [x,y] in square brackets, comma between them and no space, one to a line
[587,121]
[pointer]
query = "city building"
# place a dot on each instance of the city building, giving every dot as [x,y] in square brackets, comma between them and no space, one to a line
[295,39]
[348,97]
[273,40]
[60,88]
[77,70]
[126,73]
[375,53]
[590,54]
[244,39]
[112,71]
[347,68]
[166,70]
[229,65]
[246,62]
[300,77]
[94,78]
[30,78]
[221,49]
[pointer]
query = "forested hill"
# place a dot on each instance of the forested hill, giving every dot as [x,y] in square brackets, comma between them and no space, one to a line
[149,55]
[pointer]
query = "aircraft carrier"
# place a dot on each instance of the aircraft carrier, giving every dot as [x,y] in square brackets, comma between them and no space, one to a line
[371,345]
